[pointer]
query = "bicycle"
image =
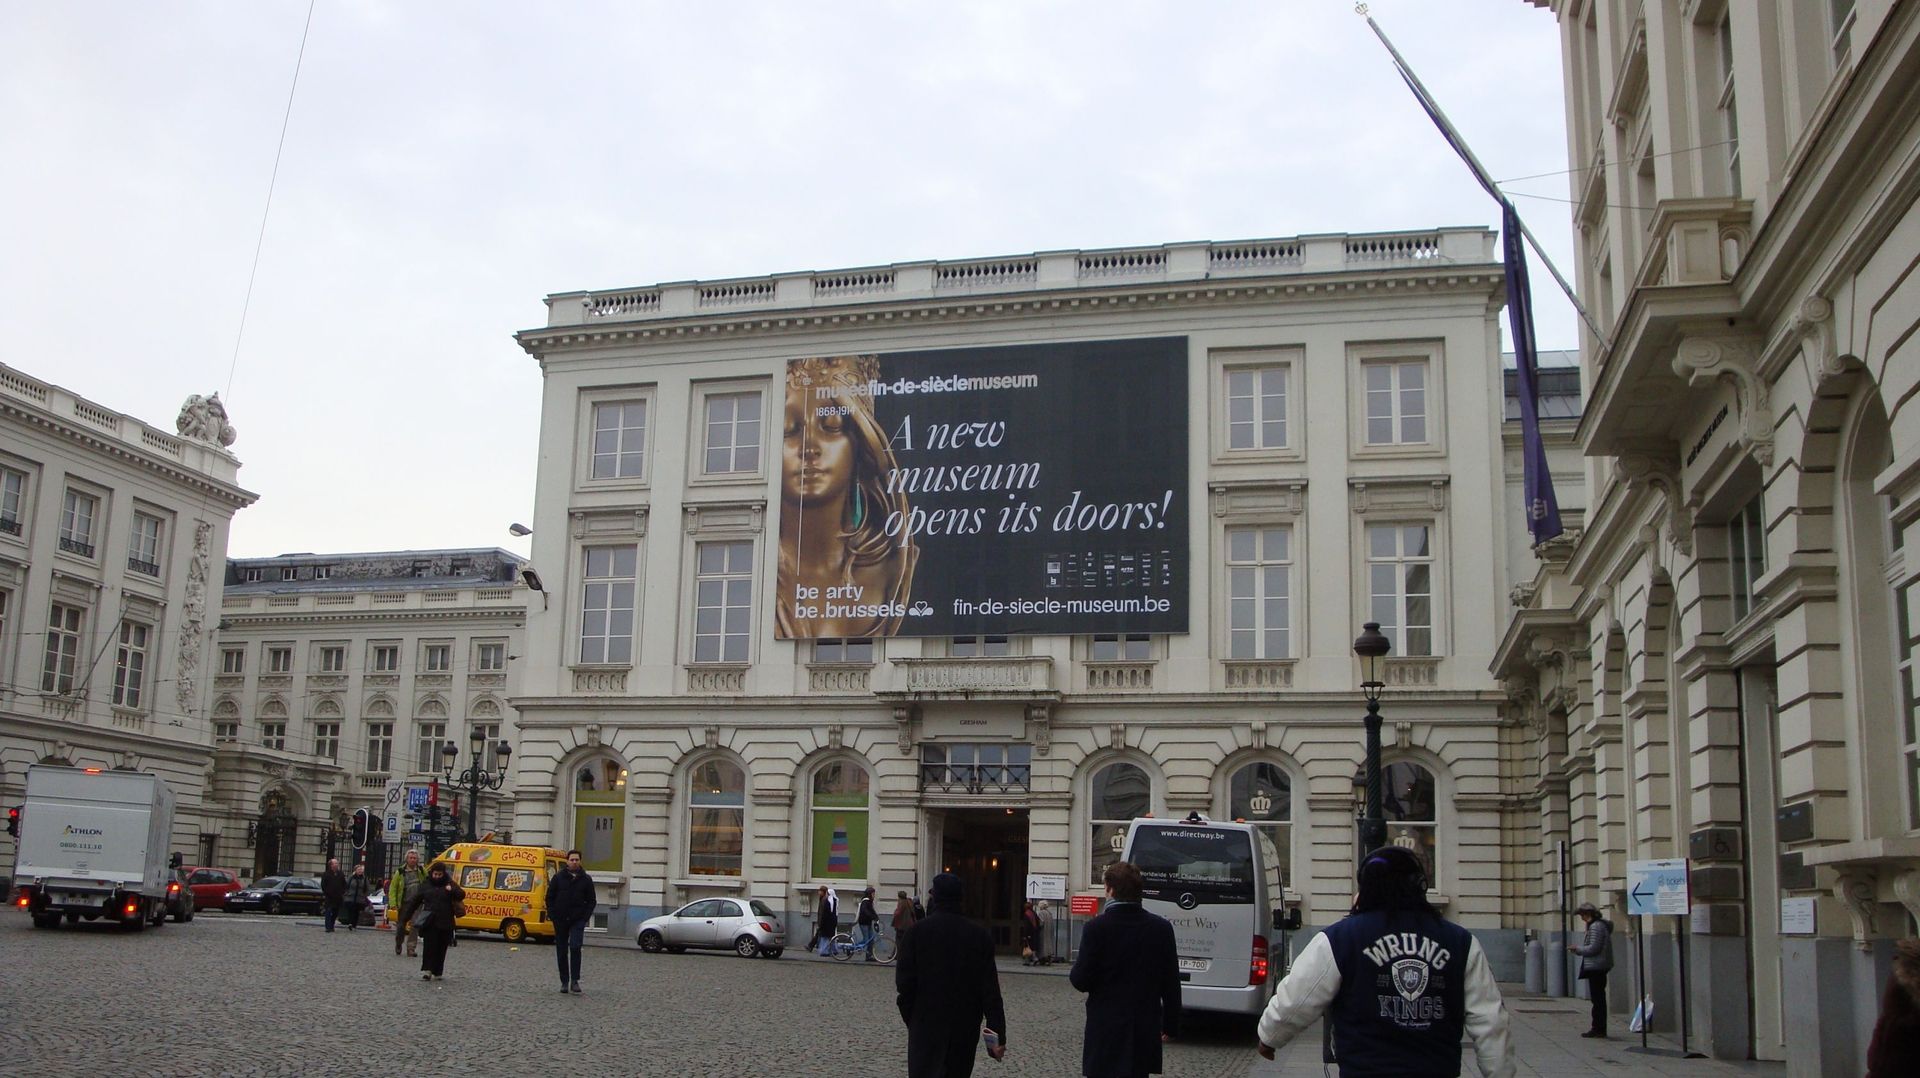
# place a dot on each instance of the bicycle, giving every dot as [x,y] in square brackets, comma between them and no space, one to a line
[843,948]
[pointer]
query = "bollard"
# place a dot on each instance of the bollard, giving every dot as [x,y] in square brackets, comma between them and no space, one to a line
[1536,967]
[1556,963]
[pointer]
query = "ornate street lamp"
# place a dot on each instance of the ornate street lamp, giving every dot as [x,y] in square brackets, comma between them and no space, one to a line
[476,777]
[1372,648]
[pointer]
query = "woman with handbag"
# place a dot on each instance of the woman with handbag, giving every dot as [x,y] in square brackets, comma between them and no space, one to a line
[441,900]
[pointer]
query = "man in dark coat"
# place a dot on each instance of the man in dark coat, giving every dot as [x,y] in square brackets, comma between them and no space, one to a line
[570,903]
[1129,968]
[947,985]
[333,890]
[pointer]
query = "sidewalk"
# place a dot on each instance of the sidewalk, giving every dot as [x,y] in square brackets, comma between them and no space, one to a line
[1547,1044]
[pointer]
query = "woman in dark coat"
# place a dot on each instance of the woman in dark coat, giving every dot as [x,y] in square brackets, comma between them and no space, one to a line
[437,900]
[828,920]
[1895,1047]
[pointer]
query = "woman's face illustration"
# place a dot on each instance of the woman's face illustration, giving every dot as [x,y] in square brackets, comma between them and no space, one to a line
[817,459]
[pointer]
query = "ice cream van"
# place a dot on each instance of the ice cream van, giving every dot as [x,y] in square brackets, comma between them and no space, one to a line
[506,887]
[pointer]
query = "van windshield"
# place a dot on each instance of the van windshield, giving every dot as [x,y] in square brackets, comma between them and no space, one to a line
[1214,866]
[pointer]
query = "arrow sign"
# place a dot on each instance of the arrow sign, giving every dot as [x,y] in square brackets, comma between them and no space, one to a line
[1658,888]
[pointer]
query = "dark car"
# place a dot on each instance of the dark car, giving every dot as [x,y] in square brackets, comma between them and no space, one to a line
[180,903]
[278,894]
[211,886]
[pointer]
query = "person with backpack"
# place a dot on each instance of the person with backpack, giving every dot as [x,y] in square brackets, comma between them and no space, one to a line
[1398,982]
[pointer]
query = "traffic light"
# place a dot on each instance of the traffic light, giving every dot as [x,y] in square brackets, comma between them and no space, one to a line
[13,821]
[362,828]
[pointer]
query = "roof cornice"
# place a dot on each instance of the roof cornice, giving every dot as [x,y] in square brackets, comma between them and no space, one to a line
[235,496]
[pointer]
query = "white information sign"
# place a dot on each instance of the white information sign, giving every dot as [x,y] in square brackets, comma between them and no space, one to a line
[1043,886]
[1657,887]
[1797,916]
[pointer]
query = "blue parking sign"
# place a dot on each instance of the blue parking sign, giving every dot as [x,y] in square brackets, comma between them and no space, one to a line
[417,798]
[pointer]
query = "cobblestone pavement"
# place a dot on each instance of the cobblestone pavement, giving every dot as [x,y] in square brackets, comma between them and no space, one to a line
[255,995]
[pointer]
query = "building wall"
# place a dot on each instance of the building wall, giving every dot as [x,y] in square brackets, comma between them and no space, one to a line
[1186,715]
[162,595]
[1728,644]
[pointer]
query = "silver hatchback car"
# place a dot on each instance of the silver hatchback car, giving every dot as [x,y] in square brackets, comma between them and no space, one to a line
[744,926]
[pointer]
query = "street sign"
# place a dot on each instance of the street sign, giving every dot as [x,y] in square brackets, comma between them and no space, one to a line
[419,796]
[391,808]
[1083,905]
[1657,887]
[1043,886]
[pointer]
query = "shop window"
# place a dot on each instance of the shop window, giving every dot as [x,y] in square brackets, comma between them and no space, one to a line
[841,789]
[717,819]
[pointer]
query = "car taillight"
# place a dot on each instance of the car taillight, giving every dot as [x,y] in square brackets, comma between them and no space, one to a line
[23,902]
[173,888]
[1257,972]
[765,927]
[133,907]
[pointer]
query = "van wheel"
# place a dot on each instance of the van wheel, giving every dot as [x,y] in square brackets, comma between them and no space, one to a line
[651,942]
[514,931]
[72,918]
[746,946]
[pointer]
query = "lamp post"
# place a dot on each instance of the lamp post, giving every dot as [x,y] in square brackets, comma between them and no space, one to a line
[476,777]
[1372,648]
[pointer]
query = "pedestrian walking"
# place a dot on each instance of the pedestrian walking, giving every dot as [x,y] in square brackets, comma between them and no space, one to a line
[903,915]
[441,900]
[333,888]
[570,902]
[1596,959]
[1894,1050]
[867,924]
[355,898]
[946,985]
[919,911]
[403,898]
[827,921]
[1129,967]
[1029,934]
[1399,983]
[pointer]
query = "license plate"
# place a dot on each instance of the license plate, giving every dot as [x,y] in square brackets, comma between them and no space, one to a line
[1195,965]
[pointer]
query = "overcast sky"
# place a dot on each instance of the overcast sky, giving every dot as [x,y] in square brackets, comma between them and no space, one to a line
[447,165]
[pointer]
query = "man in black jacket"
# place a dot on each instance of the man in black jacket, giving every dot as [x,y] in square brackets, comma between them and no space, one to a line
[1129,968]
[333,889]
[570,902]
[947,984]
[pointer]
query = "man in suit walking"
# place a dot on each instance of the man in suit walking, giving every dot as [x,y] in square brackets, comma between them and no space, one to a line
[1129,968]
[947,984]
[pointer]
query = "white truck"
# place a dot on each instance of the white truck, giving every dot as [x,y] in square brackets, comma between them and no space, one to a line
[93,844]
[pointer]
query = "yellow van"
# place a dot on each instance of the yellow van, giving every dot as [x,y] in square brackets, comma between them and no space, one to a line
[506,886]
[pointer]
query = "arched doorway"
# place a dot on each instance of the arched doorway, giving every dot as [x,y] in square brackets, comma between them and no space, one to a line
[273,836]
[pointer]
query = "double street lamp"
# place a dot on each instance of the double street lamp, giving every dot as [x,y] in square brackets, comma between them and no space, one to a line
[476,777]
[1372,648]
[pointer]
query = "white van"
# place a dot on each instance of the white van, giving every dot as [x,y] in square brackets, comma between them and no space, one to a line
[1219,884]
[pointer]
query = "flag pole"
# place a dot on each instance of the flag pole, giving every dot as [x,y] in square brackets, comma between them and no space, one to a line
[1480,173]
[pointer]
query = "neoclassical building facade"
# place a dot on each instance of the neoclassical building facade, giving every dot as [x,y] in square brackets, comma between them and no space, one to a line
[1722,667]
[1341,456]
[112,536]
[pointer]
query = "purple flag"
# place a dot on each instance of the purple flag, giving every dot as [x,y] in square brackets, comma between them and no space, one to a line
[1542,508]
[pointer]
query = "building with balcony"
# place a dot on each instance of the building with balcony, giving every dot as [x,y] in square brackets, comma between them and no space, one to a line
[1722,669]
[112,533]
[1099,530]
[333,673]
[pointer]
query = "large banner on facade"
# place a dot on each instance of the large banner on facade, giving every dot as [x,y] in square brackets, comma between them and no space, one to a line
[986,491]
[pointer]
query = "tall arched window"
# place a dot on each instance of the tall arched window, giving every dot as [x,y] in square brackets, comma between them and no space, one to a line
[1117,793]
[600,814]
[840,802]
[1262,794]
[716,819]
[1410,797]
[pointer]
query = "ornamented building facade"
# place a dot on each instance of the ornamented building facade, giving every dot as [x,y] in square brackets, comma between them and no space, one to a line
[1339,458]
[1723,667]
[332,674]
[112,537]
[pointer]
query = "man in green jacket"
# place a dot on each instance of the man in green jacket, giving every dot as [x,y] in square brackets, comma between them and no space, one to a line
[403,894]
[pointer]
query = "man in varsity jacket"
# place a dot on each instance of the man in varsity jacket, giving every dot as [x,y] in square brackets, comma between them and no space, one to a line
[1397,981]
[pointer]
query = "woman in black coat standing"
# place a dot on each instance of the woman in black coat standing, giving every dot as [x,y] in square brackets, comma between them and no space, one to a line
[437,902]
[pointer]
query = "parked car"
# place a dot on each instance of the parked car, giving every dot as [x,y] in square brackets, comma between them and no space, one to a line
[211,886]
[278,894]
[180,904]
[746,927]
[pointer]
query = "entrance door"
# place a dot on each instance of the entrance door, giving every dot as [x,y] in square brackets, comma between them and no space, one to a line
[987,849]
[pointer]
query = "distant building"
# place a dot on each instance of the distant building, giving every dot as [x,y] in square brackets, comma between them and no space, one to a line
[112,536]
[334,673]
[1723,667]
[1254,447]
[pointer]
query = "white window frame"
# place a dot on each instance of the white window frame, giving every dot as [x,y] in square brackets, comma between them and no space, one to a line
[60,671]
[80,522]
[490,656]
[383,657]
[724,646]
[719,801]
[326,739]
[436,657]
[1126,647]
[1225,368]
[233,659]
[289,572]
[1257,602]
[146,546]
[131,652]
[429,737]
[380,746]
[981,646]
[1727,103]
[273,734]
[603,583]
[595,406]
[252,574]
[1746,555]
[1397,357]
[14,484]
[276,652]
[1401,564]
[697,461]
[849,651]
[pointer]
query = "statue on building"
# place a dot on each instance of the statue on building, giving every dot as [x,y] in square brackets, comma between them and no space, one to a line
[205,419]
